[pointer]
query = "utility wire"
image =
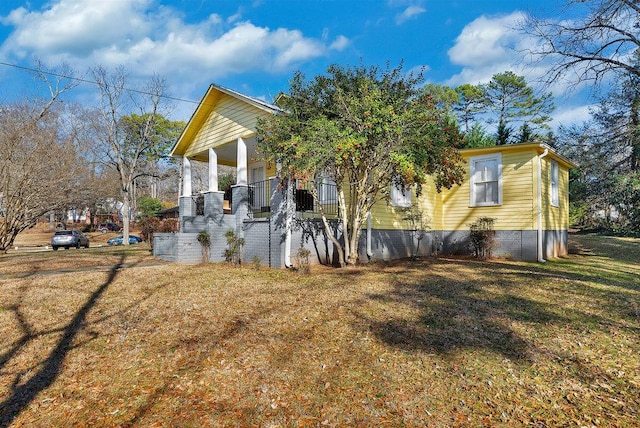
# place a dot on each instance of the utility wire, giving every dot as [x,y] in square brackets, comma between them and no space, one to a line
[93,82]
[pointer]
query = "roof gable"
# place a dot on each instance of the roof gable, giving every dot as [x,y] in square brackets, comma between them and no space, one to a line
[222,116]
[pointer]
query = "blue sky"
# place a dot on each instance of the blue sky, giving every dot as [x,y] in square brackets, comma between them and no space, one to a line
[255,46]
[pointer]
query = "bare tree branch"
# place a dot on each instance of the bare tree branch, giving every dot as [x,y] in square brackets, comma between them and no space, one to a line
[588,49]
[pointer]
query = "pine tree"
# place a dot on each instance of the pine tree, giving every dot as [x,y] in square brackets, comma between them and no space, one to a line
[510,99]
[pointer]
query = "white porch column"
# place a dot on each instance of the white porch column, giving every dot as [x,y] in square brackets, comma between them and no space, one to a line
[213,171]
[186,176]
[241,171]
[290,211]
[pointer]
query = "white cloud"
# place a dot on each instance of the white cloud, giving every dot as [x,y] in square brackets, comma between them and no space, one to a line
[493,44]
[77,27]
[486,40]
[571,115]
[409,13]
[150,39]
[340,43]
[490,45]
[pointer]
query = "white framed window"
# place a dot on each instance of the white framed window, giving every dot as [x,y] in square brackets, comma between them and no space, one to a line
[327,190]
[553,183]
[400,197]
[486,180]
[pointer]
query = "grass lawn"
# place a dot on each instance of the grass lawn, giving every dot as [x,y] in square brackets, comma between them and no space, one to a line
[109,337]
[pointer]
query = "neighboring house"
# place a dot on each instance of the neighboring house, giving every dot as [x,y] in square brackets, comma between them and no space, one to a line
[173,212]
[523,187]
[110,209]
[78,215]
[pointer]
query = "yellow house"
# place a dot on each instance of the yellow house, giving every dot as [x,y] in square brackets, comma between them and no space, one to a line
[524,188]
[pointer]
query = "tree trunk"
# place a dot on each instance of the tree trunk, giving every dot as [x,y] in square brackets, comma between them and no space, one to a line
[354,256]
[126,205]
[345,227]
[333,239]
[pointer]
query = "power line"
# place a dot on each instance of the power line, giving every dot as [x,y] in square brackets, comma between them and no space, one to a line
[92,82]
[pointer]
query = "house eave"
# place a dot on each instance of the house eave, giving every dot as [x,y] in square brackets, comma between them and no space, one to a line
[538,147]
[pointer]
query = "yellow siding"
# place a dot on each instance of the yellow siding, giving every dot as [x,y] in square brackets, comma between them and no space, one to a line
[385,216]
[271,169]
[555,217]
[451,210]
[438,218]
[230,120]
[518,197]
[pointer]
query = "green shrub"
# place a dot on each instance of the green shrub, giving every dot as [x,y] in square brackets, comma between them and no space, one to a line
[234,248]
[482,237]
[205,243]
[256,262]
[149,206]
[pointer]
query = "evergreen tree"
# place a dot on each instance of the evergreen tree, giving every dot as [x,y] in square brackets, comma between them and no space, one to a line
[605,186]
[525,136]
[503,134]
[510,100]
[367,130]
[478,137]
[471,101]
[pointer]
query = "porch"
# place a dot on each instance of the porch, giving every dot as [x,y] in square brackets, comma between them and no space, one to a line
[262,212]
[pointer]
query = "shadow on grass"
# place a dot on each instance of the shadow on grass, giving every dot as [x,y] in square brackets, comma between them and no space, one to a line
[625,250]
[475,309]
[23,394]
[458,314]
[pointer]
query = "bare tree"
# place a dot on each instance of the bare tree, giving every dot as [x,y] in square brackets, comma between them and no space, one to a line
[601,47]
[588,48]
[38,168]
[124,146]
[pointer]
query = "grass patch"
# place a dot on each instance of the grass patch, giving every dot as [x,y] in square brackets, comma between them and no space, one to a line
[109,337]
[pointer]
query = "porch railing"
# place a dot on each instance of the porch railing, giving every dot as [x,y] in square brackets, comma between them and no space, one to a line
[260,198]
[327,201]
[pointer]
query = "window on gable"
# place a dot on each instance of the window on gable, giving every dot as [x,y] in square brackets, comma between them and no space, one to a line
[400,197]
[486,180]
[553,182]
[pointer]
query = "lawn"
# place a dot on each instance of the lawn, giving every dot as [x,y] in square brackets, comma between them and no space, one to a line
[109,337]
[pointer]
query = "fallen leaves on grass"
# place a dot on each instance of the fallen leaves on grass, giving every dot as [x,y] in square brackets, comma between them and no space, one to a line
[436,342]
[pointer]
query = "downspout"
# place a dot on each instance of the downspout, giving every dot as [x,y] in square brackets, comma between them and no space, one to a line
[369,251]
[540,253]
[287,239]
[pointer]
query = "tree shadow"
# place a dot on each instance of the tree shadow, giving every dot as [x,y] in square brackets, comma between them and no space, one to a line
[474,307]
[23,394]
[457,314]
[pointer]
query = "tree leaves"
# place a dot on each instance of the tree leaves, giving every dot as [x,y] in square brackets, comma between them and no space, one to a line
[365,128]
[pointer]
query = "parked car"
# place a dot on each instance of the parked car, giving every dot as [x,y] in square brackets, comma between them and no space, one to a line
[68,239]
[118,240]
[109,227]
